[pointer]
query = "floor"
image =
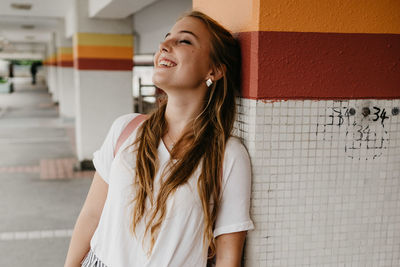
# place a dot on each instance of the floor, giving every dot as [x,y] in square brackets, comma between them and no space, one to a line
[40,193]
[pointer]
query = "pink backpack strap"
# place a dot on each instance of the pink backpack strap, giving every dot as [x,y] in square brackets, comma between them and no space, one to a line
[127,131]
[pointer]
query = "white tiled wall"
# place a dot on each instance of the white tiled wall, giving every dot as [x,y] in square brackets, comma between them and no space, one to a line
[326,182]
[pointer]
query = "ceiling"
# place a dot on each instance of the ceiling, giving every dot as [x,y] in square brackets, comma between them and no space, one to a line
[29,26]
[34,21]
[40,8]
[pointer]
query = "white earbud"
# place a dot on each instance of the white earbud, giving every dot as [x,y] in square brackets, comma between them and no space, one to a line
[209,82]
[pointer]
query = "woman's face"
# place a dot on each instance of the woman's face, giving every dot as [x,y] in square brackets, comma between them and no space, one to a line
[183,60]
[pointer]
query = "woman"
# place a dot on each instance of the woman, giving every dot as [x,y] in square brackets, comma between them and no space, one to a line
[178,189]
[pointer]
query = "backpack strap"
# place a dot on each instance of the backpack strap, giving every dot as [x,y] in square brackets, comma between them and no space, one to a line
[126,132]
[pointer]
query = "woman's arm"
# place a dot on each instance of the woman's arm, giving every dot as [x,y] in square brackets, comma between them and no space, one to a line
[229,249]
[87,222]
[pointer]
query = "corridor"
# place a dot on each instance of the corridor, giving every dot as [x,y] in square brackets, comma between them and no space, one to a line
[40,194]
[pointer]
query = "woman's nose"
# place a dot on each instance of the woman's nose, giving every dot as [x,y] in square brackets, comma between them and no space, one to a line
[165,46]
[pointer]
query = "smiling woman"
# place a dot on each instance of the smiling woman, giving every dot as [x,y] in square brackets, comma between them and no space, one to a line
[177,191]
[187,53]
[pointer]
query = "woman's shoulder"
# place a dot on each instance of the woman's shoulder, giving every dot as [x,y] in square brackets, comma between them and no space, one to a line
[121,122]
[235,148]
[237,164]
[125,118]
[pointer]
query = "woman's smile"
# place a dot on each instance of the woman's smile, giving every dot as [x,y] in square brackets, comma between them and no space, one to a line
[164,62]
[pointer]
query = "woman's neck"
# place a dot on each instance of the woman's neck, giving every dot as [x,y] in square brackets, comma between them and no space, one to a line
[180,111]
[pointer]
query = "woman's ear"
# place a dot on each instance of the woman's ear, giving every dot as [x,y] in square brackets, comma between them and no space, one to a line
[217,72]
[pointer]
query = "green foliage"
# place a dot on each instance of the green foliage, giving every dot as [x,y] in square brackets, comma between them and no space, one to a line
[25,62]
[3,80]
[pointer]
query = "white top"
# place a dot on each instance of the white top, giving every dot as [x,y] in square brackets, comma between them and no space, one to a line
[180,240]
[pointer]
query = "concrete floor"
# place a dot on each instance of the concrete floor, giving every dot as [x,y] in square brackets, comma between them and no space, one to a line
[36,215]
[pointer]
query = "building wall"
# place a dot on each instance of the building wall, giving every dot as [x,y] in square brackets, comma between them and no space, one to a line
[326,183]
[319,115]
[154,21]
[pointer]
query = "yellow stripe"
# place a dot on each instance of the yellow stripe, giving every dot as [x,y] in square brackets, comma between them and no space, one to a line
[52,56]
[64,50]
[98,39]
[110,52]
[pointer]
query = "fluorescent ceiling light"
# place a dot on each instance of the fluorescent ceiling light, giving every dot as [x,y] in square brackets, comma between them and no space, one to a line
[21,6]
[28,26]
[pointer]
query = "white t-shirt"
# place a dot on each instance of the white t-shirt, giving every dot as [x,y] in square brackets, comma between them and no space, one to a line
[180,239]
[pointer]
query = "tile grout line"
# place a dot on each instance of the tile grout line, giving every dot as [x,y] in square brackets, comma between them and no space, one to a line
[50,169]
[38,234]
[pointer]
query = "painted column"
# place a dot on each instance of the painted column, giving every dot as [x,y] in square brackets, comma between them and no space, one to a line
[66,82]
[52,69]
[65,77]
[319,114]
[103,61]
[50,63]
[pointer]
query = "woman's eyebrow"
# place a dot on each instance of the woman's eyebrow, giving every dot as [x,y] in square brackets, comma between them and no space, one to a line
[189,32]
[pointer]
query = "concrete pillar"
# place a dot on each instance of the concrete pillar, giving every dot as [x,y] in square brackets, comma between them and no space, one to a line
[65,75]
[51,65]
[103,61]
[319,114]
[66,82]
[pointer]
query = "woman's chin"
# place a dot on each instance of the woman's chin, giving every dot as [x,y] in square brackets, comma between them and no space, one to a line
[157,81]
[160,84]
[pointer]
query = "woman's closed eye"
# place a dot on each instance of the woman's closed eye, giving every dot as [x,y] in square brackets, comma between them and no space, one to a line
[185,41]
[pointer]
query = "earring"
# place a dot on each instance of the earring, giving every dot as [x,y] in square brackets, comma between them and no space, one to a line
[209,82]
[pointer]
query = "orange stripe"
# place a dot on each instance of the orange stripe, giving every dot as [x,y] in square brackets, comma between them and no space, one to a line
[342,16]
[65,57]
[237,15]
[110,52]
[52,61]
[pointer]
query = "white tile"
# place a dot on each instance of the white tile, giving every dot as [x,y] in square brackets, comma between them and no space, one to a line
[315,176]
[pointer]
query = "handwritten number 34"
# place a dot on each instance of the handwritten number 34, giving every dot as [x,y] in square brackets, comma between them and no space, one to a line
[380,115]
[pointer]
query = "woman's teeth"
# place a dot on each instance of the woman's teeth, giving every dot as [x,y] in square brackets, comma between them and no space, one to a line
[166,63]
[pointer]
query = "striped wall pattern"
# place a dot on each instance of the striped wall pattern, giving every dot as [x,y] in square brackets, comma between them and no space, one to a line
[299,65]
[65,57]
[51,60]
[319,114]
[94,51]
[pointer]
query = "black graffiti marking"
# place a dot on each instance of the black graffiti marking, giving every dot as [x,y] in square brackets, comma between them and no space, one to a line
[337,113]
[337,117]
[362,136]
[380,115]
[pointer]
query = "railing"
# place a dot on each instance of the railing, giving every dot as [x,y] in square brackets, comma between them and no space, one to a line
[145,102]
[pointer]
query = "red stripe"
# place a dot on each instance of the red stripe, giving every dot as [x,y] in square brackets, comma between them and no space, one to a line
[65,64]
[103,64]
[295,65]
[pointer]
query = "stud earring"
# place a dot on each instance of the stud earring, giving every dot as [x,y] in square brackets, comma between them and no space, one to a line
[209,82]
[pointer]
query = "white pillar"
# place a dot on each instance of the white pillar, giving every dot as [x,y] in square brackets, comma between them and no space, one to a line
[103,51]
[65,74]
[52,68]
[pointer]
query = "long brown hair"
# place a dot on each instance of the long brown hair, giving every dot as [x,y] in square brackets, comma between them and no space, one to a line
[202,143]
